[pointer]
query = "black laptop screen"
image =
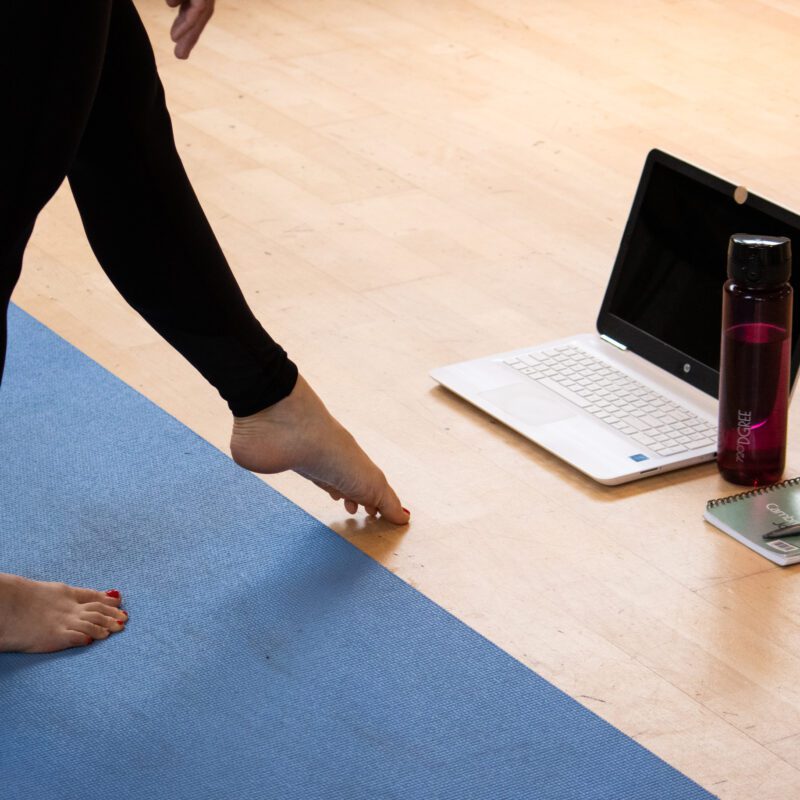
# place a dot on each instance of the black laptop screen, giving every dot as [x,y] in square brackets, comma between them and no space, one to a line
[672,264]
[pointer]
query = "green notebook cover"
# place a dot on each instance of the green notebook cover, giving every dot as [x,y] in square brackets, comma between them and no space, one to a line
[749,515]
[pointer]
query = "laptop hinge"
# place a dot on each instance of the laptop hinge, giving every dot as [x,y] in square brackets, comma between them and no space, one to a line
[613,341]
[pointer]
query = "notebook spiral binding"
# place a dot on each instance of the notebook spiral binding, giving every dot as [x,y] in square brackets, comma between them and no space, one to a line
[753,492]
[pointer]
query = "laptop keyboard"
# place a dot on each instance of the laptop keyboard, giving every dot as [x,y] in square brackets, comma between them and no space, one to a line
[617,399]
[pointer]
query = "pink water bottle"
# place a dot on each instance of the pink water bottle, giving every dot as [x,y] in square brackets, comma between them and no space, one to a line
[754,361]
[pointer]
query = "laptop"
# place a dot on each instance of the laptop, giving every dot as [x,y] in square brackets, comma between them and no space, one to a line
[639,396]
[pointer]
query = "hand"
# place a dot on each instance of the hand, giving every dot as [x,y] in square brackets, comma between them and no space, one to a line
[189,24]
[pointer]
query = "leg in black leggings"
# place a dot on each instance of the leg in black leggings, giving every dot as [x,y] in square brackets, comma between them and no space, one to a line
[108,130]
[80,97]
[51,56]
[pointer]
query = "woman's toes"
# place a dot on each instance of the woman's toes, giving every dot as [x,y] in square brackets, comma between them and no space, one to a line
[111,597]
[90,629]
[395,513]
[43,617]
[75,639]
[351,506]
[390,508]
[106,610]
[111,624]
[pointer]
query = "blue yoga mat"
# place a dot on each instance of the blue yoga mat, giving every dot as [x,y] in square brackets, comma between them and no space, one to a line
[265,656]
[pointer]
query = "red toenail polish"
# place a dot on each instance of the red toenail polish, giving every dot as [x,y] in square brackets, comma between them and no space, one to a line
[120,622]
[113,593]
[407,511]
[89,640]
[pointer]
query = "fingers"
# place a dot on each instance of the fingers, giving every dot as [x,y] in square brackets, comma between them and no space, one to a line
[190,14]
[186,43]
[189,24]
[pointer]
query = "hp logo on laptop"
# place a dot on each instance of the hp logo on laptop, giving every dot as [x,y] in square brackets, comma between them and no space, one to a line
[687,367]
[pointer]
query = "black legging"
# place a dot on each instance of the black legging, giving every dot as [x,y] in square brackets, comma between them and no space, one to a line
[80,97]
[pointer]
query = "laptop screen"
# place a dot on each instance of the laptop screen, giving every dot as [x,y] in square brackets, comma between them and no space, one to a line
[664,299]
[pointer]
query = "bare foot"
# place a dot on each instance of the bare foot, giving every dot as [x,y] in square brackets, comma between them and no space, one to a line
[299,433]
[38,617]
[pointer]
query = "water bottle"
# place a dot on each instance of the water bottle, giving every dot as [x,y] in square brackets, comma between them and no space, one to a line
[754,361]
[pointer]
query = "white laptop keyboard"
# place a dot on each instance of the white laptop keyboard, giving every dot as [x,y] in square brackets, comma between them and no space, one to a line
[617,399]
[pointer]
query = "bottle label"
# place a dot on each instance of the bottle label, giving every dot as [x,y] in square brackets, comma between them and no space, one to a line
[743,433]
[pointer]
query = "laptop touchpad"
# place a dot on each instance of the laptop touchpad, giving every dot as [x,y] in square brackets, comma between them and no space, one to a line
[529,403]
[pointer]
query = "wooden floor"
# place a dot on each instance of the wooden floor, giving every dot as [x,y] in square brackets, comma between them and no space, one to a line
[403,183]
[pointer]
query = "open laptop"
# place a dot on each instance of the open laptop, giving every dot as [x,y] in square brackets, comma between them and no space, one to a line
[639,396]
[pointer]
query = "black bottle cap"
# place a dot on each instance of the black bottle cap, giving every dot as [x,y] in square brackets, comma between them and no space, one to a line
[759,261]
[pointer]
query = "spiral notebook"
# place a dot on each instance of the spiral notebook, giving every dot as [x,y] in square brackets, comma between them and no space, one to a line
[749,515]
